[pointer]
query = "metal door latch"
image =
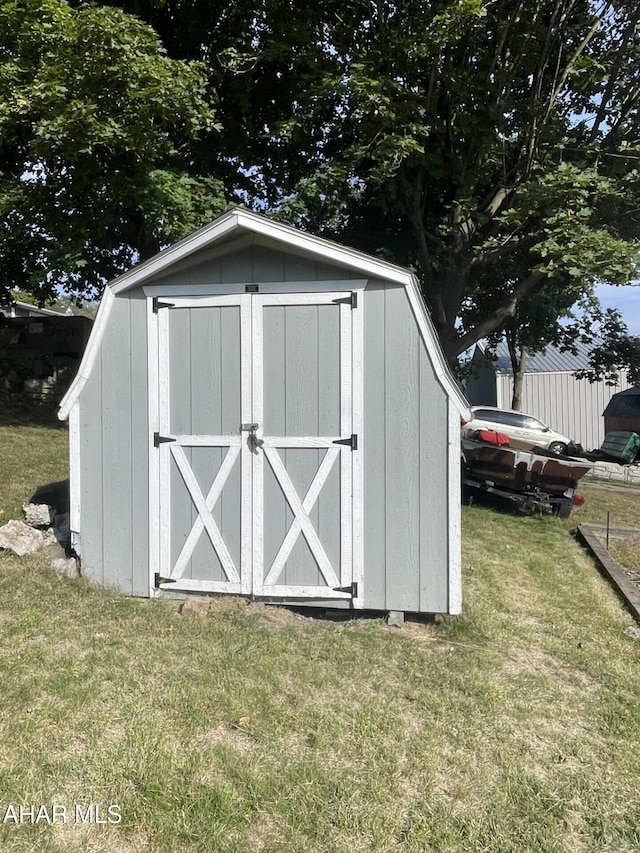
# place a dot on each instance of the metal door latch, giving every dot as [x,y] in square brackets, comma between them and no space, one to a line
[252,438]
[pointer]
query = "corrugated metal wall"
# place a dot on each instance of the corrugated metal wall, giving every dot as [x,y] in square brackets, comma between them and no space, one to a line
[571,406]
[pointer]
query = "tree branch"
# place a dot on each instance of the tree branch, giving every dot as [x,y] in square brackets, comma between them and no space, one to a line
[491,255]
[603,107]
[495,320]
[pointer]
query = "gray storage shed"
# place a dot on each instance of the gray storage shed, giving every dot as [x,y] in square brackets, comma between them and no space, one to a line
[265,413]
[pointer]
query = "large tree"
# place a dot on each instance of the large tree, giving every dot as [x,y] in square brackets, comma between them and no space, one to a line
[96,129]
[501,136]
[492,145]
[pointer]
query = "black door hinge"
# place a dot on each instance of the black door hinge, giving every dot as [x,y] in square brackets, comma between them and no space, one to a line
[352,588]
[158,579]
[160,439]
[351,300]
[156,304]
[349,442]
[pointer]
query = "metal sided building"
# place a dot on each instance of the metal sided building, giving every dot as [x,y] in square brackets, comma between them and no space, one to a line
[550,390]
[264,413]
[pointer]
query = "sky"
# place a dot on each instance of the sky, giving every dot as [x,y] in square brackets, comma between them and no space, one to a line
[626,299]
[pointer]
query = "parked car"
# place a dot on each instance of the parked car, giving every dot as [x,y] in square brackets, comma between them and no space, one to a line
[516,425]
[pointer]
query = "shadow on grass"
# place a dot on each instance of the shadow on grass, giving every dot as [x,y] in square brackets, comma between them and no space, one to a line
[55,495]
[15,414]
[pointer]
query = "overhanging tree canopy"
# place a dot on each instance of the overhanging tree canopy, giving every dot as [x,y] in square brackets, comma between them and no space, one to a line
[502,136]
[494,145]
[96,124]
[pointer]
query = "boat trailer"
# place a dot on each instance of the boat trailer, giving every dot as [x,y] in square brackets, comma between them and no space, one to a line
[531,478]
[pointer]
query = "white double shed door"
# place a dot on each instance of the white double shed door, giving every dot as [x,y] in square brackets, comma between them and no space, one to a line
[255,484]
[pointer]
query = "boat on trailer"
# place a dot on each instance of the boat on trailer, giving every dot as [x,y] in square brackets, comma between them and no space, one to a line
[533,479]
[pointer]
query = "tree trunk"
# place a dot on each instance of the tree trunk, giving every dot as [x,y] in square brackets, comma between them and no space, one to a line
[443,298]
[518,357]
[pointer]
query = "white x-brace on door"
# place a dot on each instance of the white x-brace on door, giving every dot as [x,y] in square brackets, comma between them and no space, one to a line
[255,444]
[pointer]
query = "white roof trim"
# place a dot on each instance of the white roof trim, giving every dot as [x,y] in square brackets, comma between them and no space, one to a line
[290,237]
[257,224]
[90,354]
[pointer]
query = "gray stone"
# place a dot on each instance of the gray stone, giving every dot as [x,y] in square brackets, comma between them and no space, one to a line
[37,515]
[68,568]
[395,618]
[49,537]
[54,551]
[18,537]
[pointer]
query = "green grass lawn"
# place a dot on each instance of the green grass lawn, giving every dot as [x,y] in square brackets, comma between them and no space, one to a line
[33,453]
[513,727]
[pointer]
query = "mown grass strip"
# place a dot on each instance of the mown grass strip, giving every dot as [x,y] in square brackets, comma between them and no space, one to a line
[511,727]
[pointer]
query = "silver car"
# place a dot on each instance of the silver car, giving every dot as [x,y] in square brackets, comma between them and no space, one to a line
[516,425]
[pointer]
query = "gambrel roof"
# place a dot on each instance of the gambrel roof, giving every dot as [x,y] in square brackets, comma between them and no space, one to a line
[237,229]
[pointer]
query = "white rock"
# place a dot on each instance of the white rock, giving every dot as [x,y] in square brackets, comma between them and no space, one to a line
[37,515]
[18,537]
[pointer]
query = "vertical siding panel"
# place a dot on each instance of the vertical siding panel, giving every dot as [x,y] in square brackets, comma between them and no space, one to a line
[273,367]
[205,358]
[434,522]
[203,273]
[328,370]
[503,397]
[301,376]
[179,378]
[205,346]
[237,267]
[374,526]
[561,403]
[182,511]
[401,451]
[116,450]
[574,407]
[301,412]
[605,394]
[140,435]
[328,504]
[300,269]
[91,486]
[599,402]
[268,265]
[231,418]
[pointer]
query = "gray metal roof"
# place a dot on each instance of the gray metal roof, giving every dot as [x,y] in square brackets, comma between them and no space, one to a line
[552,360]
